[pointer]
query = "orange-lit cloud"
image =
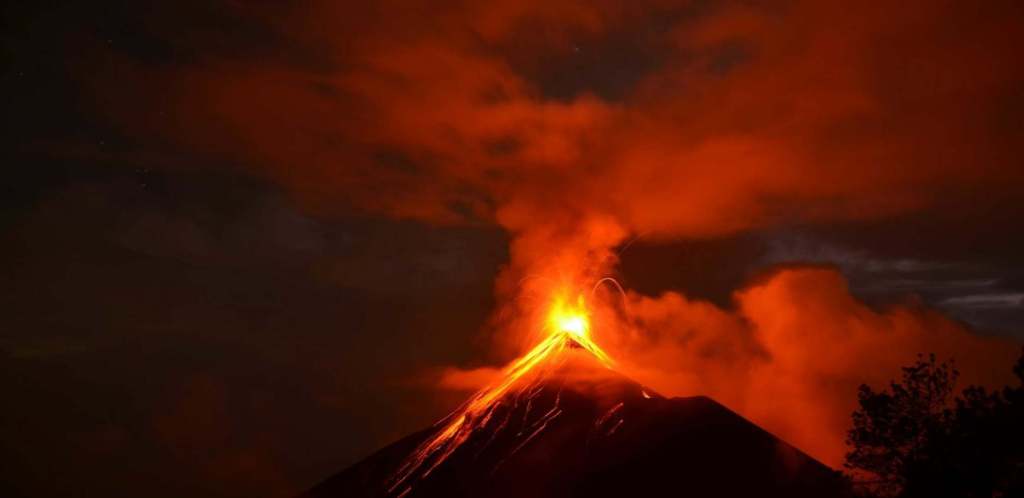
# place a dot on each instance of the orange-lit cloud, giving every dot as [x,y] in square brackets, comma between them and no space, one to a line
[792,353]
[749,116]
[746,117]
[790,356]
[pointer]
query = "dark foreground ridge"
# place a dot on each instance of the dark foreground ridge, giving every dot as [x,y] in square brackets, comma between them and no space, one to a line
[610,437]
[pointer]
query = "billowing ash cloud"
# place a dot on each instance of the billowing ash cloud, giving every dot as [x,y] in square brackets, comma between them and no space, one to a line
[580,125]
[793,351]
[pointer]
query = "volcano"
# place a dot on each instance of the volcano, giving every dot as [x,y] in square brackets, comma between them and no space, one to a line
[578,428]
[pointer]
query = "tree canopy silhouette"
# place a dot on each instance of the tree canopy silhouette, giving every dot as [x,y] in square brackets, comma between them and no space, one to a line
[915,439]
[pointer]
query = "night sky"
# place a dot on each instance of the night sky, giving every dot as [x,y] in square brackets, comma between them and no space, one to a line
[243,241]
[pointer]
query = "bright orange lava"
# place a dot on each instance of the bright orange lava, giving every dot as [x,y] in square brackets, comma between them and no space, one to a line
[571,321]
[568,325]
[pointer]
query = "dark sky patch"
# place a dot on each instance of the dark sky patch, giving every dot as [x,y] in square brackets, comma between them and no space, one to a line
[137,312]
[609,64]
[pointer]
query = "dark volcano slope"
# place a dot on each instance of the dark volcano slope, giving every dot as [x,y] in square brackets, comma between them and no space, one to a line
[608,437]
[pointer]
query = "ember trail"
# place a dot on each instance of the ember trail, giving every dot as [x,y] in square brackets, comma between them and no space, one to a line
[568,326]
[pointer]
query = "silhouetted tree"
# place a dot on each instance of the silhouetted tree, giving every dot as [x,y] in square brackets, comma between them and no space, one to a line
[916,440]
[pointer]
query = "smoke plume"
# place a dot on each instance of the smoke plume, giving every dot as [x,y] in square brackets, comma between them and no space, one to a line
[578,126]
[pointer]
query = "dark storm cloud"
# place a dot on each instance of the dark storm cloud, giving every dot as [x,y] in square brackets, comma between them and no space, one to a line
[980,291]
[885,263]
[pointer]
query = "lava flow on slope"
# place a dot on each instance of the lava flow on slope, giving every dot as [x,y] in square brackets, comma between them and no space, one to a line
[568,325]
[562,422]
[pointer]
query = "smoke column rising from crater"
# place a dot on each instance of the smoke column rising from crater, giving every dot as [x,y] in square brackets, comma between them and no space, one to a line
[745,117]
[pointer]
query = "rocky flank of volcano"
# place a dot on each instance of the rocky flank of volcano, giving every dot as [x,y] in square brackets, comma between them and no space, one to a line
[585,430]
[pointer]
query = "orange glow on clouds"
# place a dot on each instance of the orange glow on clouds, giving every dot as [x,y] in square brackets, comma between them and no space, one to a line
[821,119]
[789,356]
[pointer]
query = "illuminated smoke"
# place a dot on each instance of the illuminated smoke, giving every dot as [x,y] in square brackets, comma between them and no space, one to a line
[819,119]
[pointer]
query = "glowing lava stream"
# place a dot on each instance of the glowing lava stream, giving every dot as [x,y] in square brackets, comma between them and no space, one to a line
[568,324]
